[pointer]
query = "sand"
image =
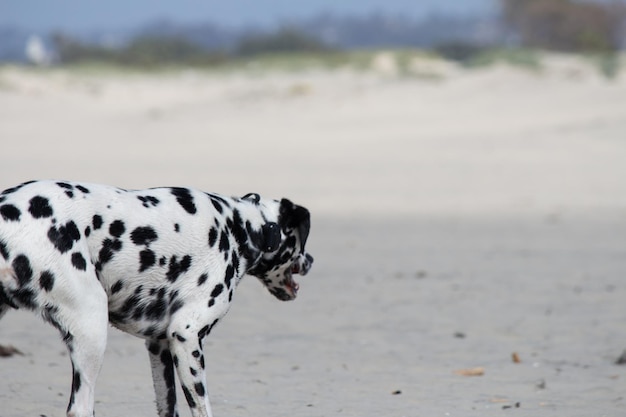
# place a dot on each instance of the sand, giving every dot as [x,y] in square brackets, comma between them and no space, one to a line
[457,220]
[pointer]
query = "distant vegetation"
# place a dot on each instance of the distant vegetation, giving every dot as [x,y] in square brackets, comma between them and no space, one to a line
[174,50]
[561,25]
[567,25]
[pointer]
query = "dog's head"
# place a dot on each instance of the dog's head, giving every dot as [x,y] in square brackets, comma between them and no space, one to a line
[283,241]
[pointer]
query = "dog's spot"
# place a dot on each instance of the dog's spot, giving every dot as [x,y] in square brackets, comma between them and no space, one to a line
[46,281]
[224,242]
[117,228]
[177,268]
[65,185]
[176,227]
[147,259]
[189,397]
[83,189]
[10,213]
[79,261]
[96,221]
[193,372]
[109,247]
[4,251]
[211,302]
[143,235]
[68,188]
[217,290]
[179,337]
[162,261]
[154,348]
[175,306]
[156,309]
[185,199]
[25,297]
[117,287]
[168,377]
[23,270]
[202,279]
[230,273]
[199,387]
[148,201]
[213,233]
[64,237]
[39,207]
[87,231]
[76,383]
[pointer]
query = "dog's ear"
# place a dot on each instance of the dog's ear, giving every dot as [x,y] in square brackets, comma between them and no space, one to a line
[252,197]
[296,217]
[271,236]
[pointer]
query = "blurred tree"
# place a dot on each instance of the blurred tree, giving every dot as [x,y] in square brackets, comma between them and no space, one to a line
[566,25]
[285,40]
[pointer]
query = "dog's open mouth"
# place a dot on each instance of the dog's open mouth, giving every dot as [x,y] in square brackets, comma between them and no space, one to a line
[290,282]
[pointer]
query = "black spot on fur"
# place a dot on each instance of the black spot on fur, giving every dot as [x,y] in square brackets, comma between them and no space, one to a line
[147,259]
[202,279]
[65,185]
[224,242]
[22,269]
[117,287]
[46,281]
[149,201]
[189,397]
[79,261]
[109,247]
[10,212]
[156,310]
[154,348]
[199,387]
[64,237]
[87,231]
[168,377]
[212,236]
[76,382]
[177,268]
[97,222]
[185,199]
[162,261]
[117,228]
[83,189]
[143,235]
[25,297]
[4,251]
[39,207]
[217,290]
[175,306]
[230,273]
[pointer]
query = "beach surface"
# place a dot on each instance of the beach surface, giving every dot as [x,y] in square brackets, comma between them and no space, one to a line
[468,229]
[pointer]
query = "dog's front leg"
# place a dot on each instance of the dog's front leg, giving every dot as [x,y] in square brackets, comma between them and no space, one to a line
[163,377]
[185,340]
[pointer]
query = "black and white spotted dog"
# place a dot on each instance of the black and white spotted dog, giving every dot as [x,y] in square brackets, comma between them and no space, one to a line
[161,264]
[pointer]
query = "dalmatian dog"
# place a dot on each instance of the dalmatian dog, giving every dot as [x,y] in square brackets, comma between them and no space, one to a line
[161,264]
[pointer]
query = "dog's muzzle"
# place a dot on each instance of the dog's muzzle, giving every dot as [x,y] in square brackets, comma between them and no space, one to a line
[302,265]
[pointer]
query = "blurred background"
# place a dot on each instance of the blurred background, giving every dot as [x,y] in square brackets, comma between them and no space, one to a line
[464,163]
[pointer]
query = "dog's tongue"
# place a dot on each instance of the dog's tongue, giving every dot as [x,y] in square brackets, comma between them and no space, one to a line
[293,285]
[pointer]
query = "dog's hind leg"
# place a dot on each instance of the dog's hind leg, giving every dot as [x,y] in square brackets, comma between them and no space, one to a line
[163,377]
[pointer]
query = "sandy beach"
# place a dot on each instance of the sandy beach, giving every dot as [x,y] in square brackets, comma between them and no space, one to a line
[461,218]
